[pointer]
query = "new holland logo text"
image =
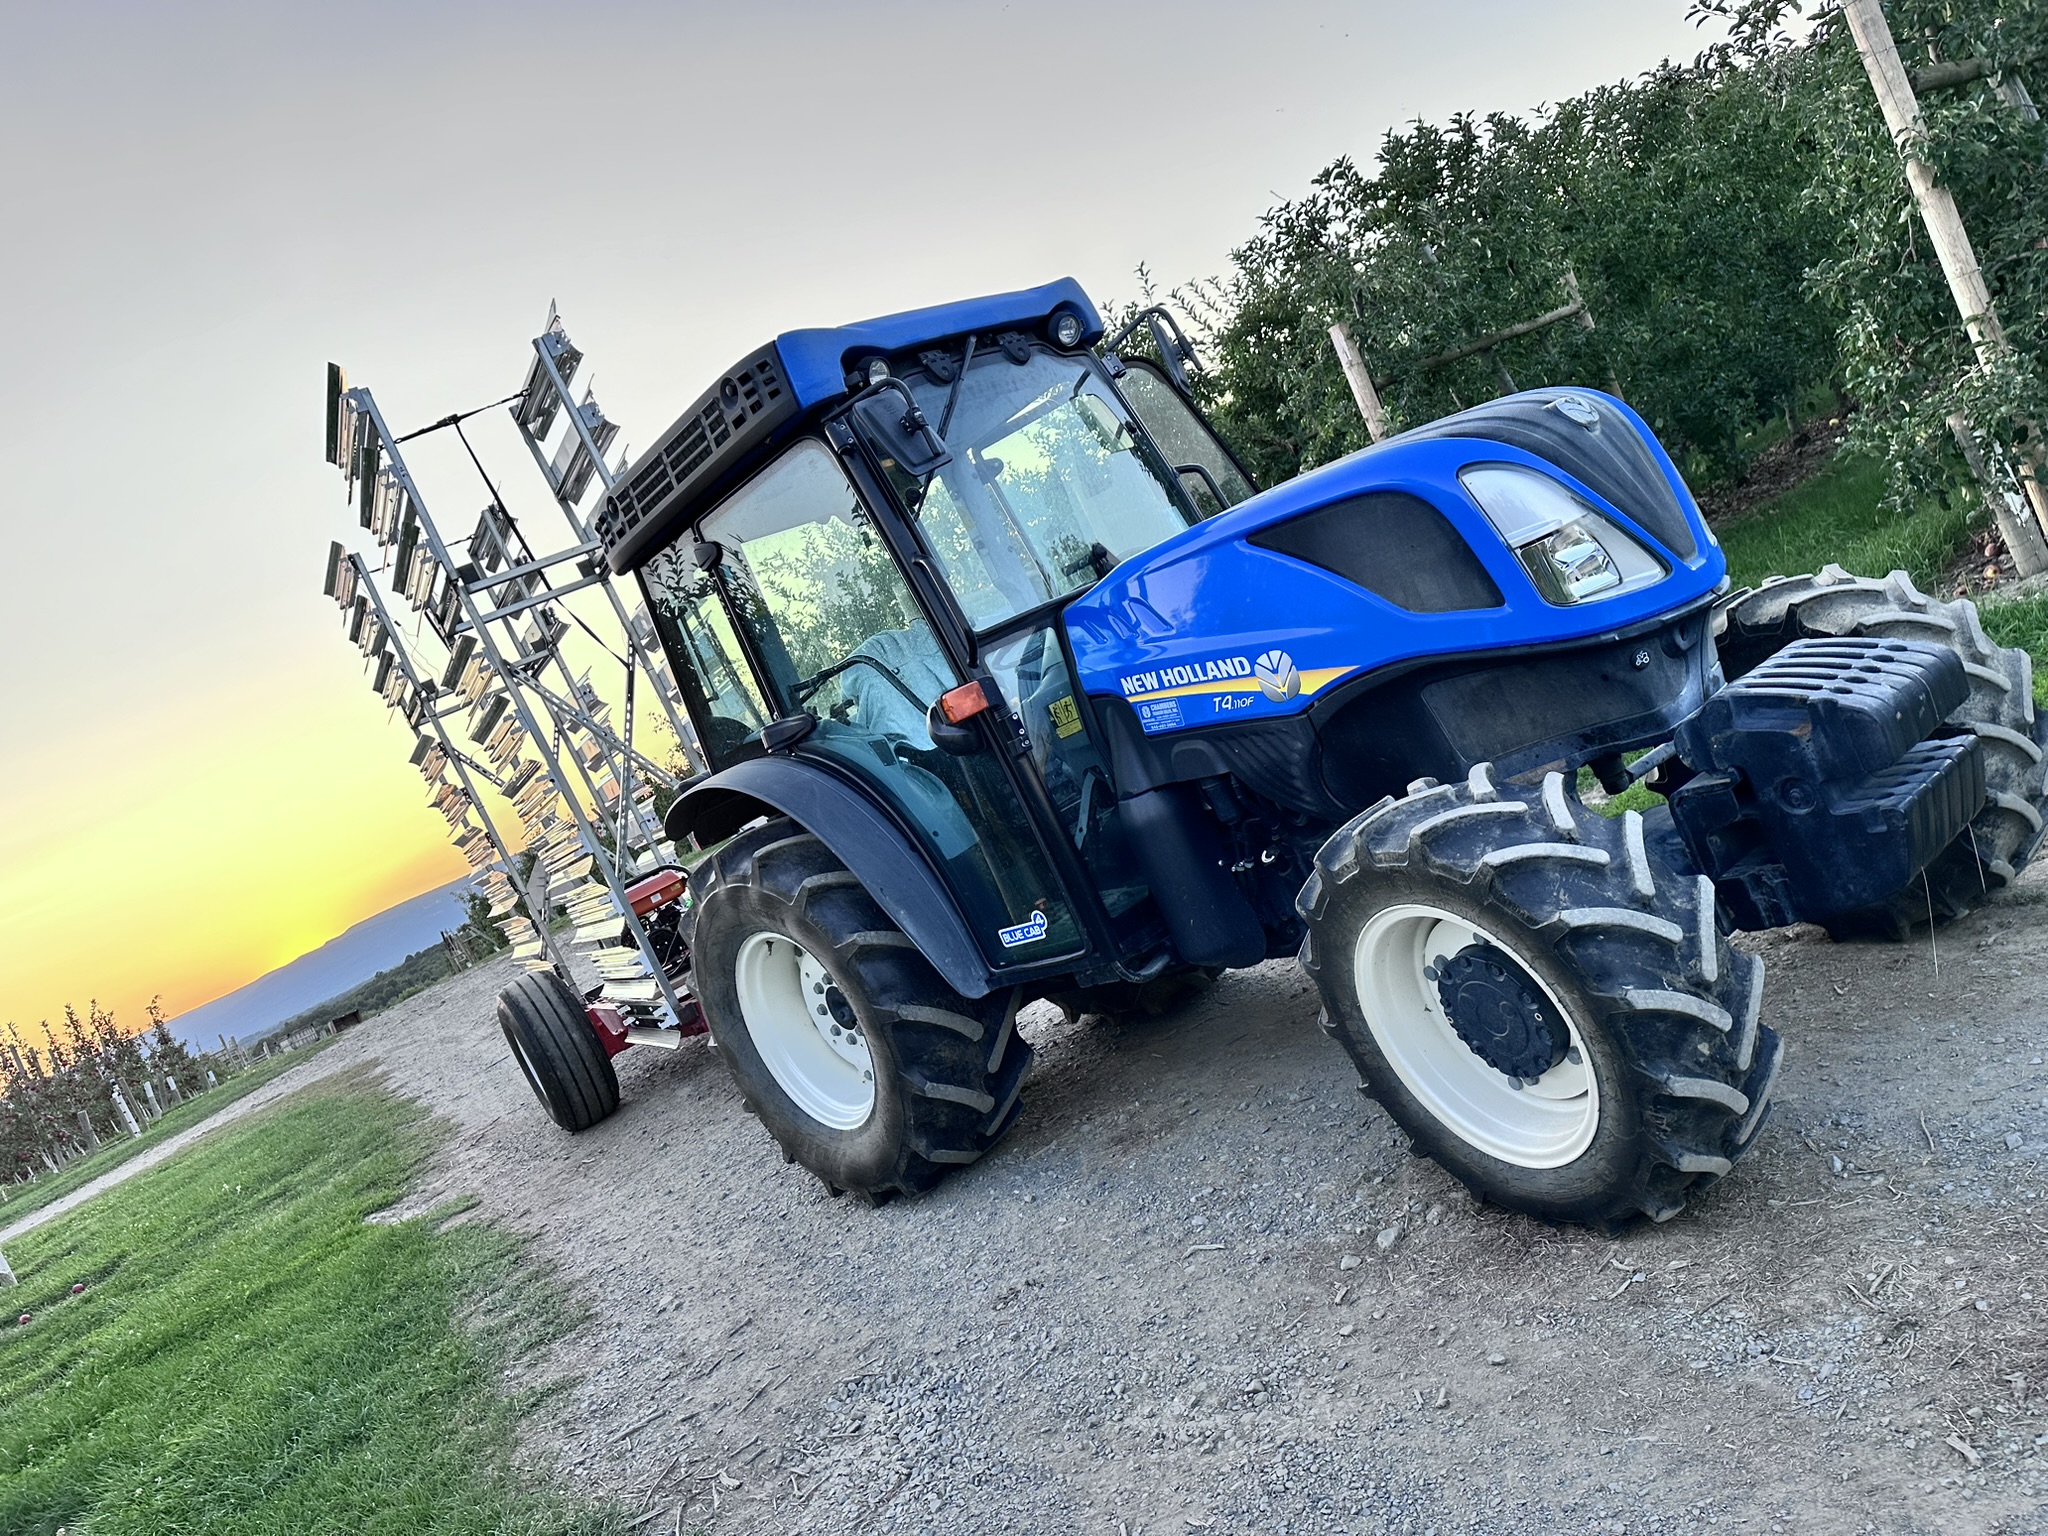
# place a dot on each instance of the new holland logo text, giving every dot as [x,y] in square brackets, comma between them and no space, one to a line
[1221,669]
[1273,674]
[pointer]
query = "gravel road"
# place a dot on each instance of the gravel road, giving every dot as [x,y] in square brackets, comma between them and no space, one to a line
[1204,1287]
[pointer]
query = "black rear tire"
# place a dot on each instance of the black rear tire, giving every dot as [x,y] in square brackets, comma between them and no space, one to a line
[1627,945]
[1757,623]
[557,1049]
[947,1070]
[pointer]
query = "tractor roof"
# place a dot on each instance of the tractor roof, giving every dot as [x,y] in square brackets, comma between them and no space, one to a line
[760,399]
[816,361]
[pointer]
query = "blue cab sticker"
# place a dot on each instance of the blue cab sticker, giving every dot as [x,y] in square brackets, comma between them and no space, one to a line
[1029,931]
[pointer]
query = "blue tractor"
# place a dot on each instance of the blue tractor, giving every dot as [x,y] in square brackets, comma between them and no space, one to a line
[1012,685]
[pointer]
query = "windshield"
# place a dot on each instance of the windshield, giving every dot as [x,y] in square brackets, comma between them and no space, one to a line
[1049,484]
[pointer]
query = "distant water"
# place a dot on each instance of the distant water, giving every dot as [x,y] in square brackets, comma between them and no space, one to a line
[375,944]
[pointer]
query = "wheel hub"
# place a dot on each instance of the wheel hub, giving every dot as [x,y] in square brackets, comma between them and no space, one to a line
[833,1015]
[1499,1012]
[805,1028]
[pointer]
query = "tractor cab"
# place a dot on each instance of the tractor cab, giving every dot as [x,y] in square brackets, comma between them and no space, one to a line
[857,547]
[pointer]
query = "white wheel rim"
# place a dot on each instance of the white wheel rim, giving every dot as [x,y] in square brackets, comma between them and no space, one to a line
[786,1002]
[1540,1125]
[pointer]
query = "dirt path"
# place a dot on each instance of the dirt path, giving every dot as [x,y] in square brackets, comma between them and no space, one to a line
[1142,1315]
[289,1081]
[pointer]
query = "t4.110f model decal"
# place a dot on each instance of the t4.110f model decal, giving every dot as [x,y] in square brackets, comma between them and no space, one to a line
[1220,688]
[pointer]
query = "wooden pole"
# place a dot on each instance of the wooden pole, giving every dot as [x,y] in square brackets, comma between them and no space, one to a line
[1880,55]
[2023,539]
[1359,377]
[1492,339]
[1585,319]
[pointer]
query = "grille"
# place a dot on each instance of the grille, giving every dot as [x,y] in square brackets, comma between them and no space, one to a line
[729,419]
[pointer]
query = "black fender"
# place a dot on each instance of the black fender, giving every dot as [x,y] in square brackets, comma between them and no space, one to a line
[859,833]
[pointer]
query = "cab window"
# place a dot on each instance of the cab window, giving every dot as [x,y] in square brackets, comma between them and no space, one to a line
[1204,465]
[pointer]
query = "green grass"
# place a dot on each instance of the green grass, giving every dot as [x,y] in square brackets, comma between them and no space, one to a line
[22,1199]
[2022,623]
[250,1356]
[1838,516]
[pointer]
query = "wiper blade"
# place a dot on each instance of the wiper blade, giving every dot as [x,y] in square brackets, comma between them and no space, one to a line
[953,394]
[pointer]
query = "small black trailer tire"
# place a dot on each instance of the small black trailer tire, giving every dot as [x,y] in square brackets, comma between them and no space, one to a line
[1756,623]
[1650,1073]
[557,1050]
[884,1077]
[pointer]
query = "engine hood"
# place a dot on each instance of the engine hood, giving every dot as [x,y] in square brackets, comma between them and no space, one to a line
[1378,559]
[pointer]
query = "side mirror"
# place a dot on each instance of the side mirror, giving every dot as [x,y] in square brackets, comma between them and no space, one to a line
[1176,352]
[889,419]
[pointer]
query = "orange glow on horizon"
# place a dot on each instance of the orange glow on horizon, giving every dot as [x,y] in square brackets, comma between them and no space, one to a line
[255,826]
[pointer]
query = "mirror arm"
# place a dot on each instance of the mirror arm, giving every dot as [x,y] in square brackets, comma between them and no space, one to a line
[1176,352]
[953,394]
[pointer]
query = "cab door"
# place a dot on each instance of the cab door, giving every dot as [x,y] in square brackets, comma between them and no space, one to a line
[832,630]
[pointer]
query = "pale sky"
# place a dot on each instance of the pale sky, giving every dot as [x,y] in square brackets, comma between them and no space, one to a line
[201,204]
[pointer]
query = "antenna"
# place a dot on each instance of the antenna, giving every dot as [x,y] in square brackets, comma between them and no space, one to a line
[501,701]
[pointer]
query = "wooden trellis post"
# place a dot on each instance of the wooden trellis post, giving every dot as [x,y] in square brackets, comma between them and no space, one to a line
[1938,211]
[1365,389]
[1359,377]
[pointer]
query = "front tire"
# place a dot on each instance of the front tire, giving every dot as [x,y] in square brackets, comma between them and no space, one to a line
[1539,999]
[861,1062]
[1755,624]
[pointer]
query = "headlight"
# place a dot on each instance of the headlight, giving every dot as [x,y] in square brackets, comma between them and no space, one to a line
[1572,552]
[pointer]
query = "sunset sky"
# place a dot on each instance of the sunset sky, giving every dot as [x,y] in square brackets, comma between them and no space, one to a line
[204,203]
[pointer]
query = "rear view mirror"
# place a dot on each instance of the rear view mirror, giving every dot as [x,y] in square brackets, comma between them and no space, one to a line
[891,423]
